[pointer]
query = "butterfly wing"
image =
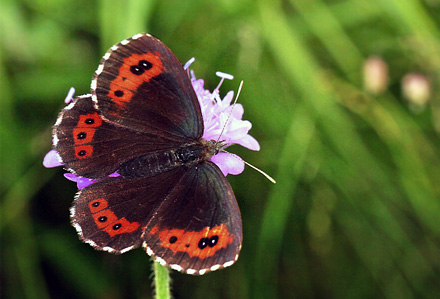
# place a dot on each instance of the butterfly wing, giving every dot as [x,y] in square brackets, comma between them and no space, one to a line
[93,147]
[140,84]
[199,229]
[100,207]
[192,223]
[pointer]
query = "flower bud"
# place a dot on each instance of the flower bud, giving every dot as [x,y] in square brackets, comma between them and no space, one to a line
[416,88]
[375,75]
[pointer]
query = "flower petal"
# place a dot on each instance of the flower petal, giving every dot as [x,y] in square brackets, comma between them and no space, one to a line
[80,181]
[69,96]
[228,164]
[52,159]
[249,142]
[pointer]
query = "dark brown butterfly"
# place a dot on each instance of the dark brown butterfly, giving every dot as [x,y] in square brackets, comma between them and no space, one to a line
[144,122]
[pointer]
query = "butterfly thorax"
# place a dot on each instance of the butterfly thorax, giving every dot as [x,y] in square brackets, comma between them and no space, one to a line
[188,155]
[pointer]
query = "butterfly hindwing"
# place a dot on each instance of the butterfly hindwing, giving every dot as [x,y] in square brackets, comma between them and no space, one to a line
[192,223]
[93,147]
[199,228]
[113,213]
[140,84]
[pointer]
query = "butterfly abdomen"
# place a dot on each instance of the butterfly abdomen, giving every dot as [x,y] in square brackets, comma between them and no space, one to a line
[154,163]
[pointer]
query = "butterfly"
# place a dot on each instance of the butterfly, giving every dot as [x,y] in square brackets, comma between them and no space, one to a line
[139,134]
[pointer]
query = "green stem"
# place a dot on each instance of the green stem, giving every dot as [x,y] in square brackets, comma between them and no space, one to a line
[161,281]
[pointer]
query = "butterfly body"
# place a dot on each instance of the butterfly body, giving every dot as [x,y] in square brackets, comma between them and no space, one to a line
[139,134]
[187,155]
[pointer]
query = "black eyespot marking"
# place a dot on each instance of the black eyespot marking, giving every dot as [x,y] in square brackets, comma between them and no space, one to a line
[146,65]
[82,153]
[117,226]
[81,135]
[186,245]
[90,121]
[102,219]
[213,241]
[203,243]
[173,239]
[141,67]
[137,70]
[119,93]
[95,204]
[123,78]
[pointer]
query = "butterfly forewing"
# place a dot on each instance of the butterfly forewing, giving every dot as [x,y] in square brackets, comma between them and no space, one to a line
[140,84]
[93,147]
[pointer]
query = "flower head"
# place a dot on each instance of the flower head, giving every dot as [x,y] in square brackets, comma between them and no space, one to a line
[222,122]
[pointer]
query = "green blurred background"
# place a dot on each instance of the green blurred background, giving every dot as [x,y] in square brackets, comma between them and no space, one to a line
[356,210]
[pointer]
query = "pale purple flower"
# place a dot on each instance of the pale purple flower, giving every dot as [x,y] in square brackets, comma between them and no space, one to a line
[52,159]
[80,181]
[69,96]
[222,122]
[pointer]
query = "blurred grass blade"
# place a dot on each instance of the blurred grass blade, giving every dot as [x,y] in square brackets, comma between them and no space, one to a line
[121,19]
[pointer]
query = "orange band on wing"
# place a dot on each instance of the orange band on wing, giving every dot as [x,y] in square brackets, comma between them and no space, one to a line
[83,151]
[92,120]
[83,135]
[199,244]
[135,70]
[107,221]
[84,132]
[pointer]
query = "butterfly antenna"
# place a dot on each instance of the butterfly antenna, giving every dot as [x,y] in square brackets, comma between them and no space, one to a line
[223,129]
[232,108]
[271,179]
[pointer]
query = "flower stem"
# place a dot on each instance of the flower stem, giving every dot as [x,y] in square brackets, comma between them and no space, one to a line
[161,281]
